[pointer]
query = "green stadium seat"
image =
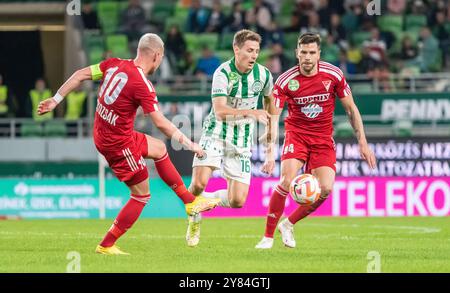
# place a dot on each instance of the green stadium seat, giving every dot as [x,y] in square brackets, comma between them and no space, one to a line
[31,129]
[108,15]
[290,40]
[55,128]
[209,39]
[171,21]
[415,22]
[224,55]
[359,37]
[118,45]
[343,130]
[287,8]
[162,10]
[390,23]
[191,41]
[226,43]
[402,128]
[95,55]
[263,56]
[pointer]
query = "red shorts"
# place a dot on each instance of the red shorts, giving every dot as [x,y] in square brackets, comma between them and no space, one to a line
[315,151]
[127,161]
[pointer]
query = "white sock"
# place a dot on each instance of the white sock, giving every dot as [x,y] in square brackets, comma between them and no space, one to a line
[222,194]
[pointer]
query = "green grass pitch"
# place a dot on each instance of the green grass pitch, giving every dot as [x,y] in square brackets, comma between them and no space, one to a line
[227,245]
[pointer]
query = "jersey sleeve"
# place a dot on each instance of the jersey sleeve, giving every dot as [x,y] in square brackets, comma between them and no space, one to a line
[342,88]
[97,70]
[145,95]
[219,84]
[269,84]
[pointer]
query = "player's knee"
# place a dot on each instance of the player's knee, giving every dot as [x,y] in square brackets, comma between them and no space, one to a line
[197,186]
[325,191]
[285,181]
[160,147]
[237,203]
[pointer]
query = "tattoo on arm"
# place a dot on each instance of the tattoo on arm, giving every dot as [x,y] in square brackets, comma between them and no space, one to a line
[356,122]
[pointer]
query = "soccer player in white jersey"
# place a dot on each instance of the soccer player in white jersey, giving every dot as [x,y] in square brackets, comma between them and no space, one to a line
[227,135]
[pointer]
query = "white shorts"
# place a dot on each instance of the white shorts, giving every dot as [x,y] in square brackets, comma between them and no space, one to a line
[236,161]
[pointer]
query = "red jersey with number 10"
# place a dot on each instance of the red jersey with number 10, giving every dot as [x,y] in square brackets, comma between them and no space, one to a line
[311,99]
[123,89]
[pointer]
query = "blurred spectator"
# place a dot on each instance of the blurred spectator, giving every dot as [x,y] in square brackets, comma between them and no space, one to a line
[302,10]
[207,63]
[324,13]
[442,34]
[6,100]
[197,18]
[330,51]
[186,66]
[337,30]
[237,18]
[216,20]
[314,25]
[275,33]
[175,46]
[261,17]
[396,6]
[89,16]
[408,50]
[354,54]
[37,95]
[428,50]
[294,26]
[345,65]
[277,61]
[75,104]
[376,47]
[132,21]
[418,7]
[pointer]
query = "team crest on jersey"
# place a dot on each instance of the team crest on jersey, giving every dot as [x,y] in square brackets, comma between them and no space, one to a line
[234,77]
[326,84]
[312,110]
[293,85]
[257,86]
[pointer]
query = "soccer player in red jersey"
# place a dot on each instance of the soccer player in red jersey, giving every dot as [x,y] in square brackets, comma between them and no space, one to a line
[310,90]
[123,89]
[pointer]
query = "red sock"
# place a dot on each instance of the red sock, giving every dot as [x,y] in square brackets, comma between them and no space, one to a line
[276,208]
[303,211]
[126,218]
[171,177]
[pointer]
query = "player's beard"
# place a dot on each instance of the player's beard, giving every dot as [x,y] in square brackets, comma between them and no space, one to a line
[308,68]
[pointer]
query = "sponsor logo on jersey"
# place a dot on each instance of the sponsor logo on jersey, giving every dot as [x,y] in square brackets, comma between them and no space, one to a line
[218,91]
[326,84]
[293,85]
[312,99]
[106,114]
[312,110]
[257,86]
[234,77]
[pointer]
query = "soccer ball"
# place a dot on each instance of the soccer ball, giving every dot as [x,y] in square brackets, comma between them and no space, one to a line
[305,189]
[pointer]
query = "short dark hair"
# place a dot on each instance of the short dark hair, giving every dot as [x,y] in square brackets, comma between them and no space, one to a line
[245,35]
[308,38]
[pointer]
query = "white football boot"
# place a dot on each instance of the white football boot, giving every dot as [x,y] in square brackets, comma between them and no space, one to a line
[265,243]
[193,230]
[286,229]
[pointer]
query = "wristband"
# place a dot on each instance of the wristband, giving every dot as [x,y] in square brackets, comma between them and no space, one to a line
[58,98]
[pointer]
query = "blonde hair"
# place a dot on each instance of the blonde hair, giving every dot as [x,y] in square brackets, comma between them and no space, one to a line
[245,35]
[150,42]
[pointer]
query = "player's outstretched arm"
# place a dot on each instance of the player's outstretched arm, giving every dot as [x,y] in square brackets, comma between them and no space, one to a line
[356,121]
[72,83]
[172,132]
[224,112]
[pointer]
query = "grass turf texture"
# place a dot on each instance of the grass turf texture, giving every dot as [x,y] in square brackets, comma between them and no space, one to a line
[227,245]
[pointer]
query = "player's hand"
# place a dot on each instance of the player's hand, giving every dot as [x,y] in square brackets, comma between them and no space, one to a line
[46,106]
[368,155]
[199,152]
[262,116]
